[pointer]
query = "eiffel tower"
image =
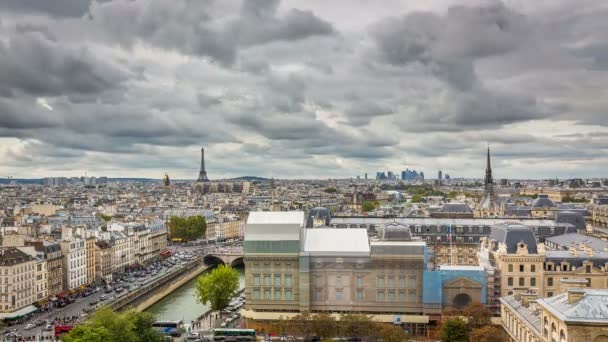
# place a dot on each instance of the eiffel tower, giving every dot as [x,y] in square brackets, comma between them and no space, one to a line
[202,175]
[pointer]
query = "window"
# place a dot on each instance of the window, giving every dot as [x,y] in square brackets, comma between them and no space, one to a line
[510,281]
[267,279]
[510,268]
[532,268]
[391,296]
[339,295]
[391,281]
[521,268]
[339,280]
[317,294]
[532,281]
[549,294]
[413,297]
[587,268]
[277,280]
[287,294]
[288,280]
[267,294]
[402,296]
[359,296]
[550,281]
[380,282]
[402,282]
[380,296]
[277,294]
[256,279]
[588,282]
[359,281]
[412,281]
[256,294]
[521,281]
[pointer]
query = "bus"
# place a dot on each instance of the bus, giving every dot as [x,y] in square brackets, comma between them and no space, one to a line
[239,334]
[62,329]
[169,328]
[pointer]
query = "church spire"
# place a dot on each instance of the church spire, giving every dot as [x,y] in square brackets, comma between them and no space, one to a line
[489,181]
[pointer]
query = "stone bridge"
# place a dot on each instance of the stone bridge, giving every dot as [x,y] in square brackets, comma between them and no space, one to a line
[232,257]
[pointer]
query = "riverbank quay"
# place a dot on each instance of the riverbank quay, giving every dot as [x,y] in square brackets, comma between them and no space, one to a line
[146,296]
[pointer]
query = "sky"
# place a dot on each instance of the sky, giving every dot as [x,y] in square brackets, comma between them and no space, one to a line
[303,88]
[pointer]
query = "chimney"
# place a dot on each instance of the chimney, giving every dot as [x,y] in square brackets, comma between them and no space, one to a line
[528,297]
[574,295]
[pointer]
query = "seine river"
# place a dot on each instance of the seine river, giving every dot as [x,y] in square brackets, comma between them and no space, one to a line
[181,303]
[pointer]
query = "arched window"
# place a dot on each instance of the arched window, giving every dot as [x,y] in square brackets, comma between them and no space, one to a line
[553,333]
[562,336]
[546,327]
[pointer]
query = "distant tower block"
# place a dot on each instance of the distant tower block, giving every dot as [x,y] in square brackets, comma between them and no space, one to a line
[166,180]
[202,175]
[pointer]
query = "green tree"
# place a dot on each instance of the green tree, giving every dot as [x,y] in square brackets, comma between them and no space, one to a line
[190,228]
[368,206]
[416,198]
[330,190]
[355,325]
[107,325]
[105,217]
[477,315]
[453,329]
[452,194]
[390,333]
[534,196]
[324,325]
[217,287]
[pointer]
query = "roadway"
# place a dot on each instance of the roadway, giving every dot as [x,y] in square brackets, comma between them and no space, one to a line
[77,309]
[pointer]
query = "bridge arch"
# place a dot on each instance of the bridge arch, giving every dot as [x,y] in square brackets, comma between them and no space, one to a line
[237,262]
[211,259]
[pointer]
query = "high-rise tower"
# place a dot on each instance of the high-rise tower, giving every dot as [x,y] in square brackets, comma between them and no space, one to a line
[202,175]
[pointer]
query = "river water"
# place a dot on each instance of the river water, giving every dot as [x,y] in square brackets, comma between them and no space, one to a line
[181,304]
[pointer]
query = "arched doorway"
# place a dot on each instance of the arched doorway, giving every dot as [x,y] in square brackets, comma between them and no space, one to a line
[461,300]
[601,338]
[238,262]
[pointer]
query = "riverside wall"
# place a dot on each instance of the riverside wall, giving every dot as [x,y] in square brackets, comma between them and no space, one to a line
[146,296]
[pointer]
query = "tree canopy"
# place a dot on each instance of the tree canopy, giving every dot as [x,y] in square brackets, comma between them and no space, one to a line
[453,329]
[488,333]
[107,325]
[330,190]
[189,228]
[217,287]
[369,205]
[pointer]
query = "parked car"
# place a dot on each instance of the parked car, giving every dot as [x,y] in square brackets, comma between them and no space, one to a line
[29,326]
[48,327]
[103,297]
[93,302]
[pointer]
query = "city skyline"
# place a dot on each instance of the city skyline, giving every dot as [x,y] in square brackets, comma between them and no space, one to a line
[302,89]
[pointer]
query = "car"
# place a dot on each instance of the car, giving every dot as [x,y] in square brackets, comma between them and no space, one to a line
[103,297]
[39,322]
[29,326]
[108,289]
[93,302]
[48,327]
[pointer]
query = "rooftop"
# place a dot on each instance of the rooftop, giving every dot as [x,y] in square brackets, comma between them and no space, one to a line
[575,240]
[592,307]
[276,217]
[336,241]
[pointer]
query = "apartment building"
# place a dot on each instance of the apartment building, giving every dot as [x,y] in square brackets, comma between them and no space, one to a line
[75,262]
[17,283]
[90,251]
[103,261]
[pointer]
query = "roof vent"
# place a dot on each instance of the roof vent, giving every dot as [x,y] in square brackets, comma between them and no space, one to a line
[574,295]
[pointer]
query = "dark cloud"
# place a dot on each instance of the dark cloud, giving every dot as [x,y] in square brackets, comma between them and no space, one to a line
[32,64]
[60,8]
[193,27]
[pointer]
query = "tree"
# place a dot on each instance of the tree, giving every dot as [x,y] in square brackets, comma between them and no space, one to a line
[355,325]
[330,190]
[488,333]
[217,287]
[190,228]
[452,194]
[416,198]
[324,325]
[477,315]
[105,217]
[107,325]
[368,206]
[300,324]
[453,329]
[391,333]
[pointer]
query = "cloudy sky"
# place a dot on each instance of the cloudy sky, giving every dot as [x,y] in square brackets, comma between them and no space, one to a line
[303,88]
